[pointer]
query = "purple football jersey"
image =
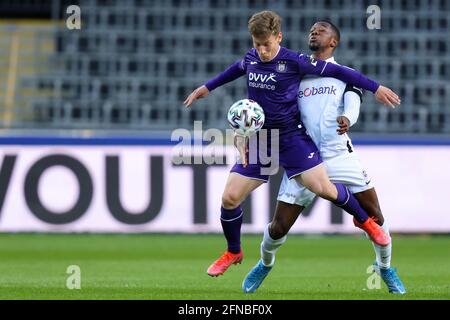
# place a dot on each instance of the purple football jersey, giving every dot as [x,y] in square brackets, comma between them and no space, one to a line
[274,84]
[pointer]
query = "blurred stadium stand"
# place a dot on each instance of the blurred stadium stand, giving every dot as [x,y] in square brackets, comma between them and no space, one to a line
[133,62]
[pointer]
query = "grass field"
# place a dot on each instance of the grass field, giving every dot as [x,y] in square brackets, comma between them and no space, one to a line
[33,266]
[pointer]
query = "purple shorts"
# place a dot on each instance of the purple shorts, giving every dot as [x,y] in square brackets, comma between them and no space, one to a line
[297,153]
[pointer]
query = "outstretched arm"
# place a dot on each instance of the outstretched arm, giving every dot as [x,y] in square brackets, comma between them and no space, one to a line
[383,94]
[322,68]
[198,93]
[387,97]
[233,72]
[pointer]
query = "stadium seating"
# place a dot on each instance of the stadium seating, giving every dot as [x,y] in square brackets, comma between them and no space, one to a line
[133,62]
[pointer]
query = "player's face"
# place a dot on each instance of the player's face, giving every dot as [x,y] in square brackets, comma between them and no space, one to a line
[267,47]
[321,36]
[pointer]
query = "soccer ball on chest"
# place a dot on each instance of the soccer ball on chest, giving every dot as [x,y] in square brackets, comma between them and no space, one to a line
[246,117]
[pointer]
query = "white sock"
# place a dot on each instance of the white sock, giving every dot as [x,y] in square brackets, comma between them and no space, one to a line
[269,247]
[383,254]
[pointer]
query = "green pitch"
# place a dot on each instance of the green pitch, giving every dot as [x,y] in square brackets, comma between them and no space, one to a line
[34,266]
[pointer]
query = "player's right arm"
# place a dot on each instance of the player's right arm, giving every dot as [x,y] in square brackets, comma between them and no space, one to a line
[352,104]
[233,72]
[309,65]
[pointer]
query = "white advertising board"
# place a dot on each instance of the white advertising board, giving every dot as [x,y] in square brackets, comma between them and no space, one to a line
[126,188]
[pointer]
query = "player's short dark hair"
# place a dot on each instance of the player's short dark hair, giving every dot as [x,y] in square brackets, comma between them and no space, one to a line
[335,29]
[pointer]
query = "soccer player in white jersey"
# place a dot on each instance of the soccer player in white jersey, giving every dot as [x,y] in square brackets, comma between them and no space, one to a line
[328,108]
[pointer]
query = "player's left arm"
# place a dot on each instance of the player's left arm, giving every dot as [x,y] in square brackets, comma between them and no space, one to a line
[352,104]
[309,65]
[233,72]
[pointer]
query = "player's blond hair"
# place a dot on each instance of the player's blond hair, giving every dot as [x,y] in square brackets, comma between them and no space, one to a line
[264,23]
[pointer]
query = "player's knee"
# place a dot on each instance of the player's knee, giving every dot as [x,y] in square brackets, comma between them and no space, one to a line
[321,190]
[230,200]
[313,186]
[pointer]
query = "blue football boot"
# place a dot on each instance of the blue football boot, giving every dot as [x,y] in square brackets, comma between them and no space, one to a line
[255,277]
[390,278]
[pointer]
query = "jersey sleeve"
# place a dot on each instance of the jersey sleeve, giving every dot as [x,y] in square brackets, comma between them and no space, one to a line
[352,104]
[309,65]
[234,71]
[356,90]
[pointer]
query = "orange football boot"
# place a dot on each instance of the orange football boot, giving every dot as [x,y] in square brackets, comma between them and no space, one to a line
[221,265]
[374,231]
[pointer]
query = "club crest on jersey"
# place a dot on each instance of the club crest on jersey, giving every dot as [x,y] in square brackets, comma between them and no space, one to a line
[313,61]
[281,67]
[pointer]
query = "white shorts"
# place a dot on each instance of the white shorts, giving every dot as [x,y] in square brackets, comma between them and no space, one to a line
[345,169]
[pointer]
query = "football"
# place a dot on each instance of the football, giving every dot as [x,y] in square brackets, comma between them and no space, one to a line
[246,117]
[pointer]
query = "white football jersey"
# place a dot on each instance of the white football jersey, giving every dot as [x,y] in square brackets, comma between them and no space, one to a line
[321,101]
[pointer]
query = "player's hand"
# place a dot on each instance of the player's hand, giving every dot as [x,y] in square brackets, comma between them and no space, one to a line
[387,97]
[344,124]
[241,144]
[198,93]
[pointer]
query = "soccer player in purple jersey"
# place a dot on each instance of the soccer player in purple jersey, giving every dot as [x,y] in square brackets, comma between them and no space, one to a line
[273,74]
[318,114]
